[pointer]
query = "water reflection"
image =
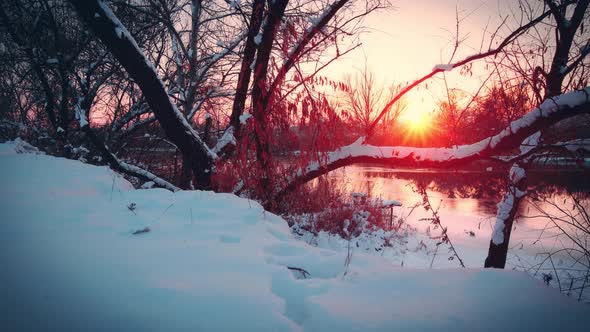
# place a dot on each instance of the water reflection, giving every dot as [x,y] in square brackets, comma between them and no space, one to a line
[467,191]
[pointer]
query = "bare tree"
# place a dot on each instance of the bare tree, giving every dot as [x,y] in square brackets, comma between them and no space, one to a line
[565,63]
[363,98]
[258,49]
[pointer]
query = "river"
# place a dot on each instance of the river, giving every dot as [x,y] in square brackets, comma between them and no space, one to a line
[467,201]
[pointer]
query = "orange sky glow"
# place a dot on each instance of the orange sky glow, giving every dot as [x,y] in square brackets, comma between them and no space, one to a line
[406,42]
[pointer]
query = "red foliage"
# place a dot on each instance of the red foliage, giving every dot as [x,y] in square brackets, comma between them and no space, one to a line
[321,206]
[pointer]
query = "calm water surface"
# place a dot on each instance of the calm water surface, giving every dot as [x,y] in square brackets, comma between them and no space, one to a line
[468,200]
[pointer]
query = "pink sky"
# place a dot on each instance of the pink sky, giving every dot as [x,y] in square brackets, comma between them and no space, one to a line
[406,42]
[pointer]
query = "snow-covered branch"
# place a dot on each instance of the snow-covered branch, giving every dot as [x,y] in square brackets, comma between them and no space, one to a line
[450,66]
[211,93]
[516,190]
[508,204]
[549,112]
[243,81]
[123,46]
[582,144]
[114,162]
[508,207]
[145,175]
[540,151]
[135,126]
[226,140]
[137,109]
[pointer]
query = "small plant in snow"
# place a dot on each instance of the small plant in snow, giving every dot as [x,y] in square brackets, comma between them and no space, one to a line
[348,247]
[132,206]
[324,212]
[435,221]
[141,231]
[547,277]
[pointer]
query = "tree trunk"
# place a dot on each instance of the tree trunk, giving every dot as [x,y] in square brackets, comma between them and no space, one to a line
[122,45]
[245,69]
[566,30]
[186,174]
[498,250]
[260,93]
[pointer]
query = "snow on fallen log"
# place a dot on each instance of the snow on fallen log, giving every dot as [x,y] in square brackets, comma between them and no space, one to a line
[549,112]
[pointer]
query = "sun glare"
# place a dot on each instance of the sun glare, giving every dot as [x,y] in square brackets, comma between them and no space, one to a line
[418,127]
[417,121]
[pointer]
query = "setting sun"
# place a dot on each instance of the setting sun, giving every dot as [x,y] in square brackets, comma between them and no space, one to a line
[294,165]
[418,127]
[418,121]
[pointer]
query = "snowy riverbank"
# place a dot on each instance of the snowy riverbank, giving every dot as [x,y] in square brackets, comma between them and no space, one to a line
[209,261]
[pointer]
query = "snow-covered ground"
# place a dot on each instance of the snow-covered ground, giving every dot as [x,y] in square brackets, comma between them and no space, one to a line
[203,261]
[469,224]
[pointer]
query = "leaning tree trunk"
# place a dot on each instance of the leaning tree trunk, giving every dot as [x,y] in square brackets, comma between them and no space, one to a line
[123,46]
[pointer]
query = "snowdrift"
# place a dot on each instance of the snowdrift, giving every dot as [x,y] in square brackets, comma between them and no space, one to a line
[203,261]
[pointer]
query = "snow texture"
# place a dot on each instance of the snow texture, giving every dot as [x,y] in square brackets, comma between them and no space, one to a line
[244,117]
[217,262]
[234,3]
[253,64]
[390,203]
[444,67]
[516,174]
[17,146]
[503,213]
[148,185]
[258,38]
[530,142]
[81,114]
[227,138]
